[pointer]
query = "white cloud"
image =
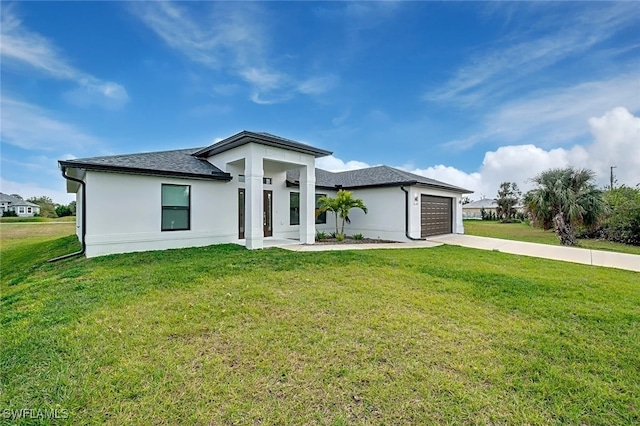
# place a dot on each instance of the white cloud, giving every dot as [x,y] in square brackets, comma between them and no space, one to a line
[520,55]
[232,38]
[450,175]
[317,85]
[30,189]
[30,127]
[616,142]
[558,116]
[334,164]
[21,47]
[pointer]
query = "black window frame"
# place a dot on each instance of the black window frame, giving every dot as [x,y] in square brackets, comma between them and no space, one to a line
[163,208]
[321,219]
[322,215]
[293,209]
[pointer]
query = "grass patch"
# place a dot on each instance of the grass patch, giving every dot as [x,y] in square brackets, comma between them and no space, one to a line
[524,232]
[26,246]
[36,219]
[222,335]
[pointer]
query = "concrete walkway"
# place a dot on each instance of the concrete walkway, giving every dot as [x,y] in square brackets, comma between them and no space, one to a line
[630,262]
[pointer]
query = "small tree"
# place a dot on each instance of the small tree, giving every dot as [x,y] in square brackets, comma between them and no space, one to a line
[328,204]
[508,197]
[47,206]
[564,199]
[340,206]
[623,221]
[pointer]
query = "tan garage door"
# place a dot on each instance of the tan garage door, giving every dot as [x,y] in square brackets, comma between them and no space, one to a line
[435,215]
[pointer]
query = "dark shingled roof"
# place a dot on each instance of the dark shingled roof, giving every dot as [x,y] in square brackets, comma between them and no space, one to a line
[262,138]
[164,163]
[371,177]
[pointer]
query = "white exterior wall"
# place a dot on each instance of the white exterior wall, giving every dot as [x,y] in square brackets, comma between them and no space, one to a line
[124,214]
[385,218]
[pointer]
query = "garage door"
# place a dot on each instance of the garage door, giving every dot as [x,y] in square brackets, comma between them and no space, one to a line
[435,217]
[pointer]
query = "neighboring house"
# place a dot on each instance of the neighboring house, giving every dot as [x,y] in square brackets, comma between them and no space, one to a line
[18,205]
[243,189]
[473,210]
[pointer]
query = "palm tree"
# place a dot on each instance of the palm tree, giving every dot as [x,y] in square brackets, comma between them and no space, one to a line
[341,206]
[564,199]
[328,204]
[346,202]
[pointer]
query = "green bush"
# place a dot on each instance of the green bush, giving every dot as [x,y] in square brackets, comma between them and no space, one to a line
[340,237]
[9,213]
[358,237]
[623,221]
[320,235]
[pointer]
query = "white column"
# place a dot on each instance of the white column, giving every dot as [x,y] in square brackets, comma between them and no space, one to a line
[457,208]
[307,204]
[253,172]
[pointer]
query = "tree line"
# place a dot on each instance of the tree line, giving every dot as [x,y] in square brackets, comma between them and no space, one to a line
[568,201]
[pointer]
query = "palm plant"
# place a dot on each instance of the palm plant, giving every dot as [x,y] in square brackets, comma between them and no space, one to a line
[328,204]
[340,206]
[564,199]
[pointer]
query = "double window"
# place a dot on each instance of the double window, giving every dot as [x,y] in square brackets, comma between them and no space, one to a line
[294,209]
[176,207]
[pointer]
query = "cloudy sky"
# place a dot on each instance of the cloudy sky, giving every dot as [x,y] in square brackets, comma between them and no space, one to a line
[469,93]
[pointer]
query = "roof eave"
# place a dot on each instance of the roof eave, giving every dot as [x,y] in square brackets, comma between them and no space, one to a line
[226,177]
[248,137]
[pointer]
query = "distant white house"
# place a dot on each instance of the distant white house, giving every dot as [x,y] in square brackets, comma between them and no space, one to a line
[473,210]
[245,189]
[22,208]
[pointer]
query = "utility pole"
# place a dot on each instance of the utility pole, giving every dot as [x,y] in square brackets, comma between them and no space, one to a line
[612,167]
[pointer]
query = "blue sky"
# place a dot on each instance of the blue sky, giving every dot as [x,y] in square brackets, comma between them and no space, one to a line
[470,93]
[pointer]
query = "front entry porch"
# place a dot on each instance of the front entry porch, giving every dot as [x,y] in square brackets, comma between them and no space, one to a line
[263,199]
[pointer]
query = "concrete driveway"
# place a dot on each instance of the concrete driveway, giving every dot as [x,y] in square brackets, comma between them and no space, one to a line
[630,262]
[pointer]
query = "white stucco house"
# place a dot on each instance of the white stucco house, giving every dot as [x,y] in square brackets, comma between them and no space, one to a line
[473,210]
[9,203]
[245,189]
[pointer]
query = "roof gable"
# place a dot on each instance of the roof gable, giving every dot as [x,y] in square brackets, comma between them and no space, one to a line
[262,138]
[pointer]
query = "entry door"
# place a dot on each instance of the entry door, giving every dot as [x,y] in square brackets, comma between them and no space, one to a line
[267,214]
[241,213]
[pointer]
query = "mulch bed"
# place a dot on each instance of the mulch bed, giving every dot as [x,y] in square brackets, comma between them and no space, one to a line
[351,240]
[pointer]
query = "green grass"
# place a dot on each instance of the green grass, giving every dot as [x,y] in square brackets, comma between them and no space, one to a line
[524,232]
[221,335]
[36,219]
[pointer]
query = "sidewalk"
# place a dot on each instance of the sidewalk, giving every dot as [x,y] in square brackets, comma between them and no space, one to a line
[630,262]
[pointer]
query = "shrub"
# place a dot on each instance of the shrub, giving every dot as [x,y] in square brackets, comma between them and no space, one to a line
[623,221]
[340,237]
[358,236]
[9,213]
[320,235]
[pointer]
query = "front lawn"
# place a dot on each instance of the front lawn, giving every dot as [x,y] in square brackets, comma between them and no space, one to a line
[222,335]
[525,232]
